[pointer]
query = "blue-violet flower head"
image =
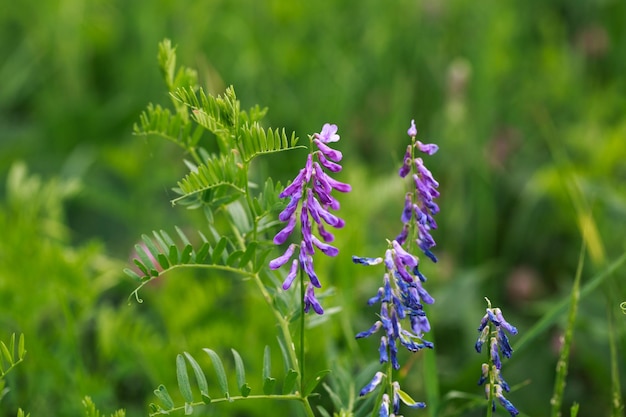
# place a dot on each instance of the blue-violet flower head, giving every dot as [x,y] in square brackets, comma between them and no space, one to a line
[311,201]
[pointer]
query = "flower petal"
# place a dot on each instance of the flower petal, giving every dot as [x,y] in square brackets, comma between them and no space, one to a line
[284,258]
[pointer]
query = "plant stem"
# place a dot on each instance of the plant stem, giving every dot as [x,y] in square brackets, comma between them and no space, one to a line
[561,367]
[302,322]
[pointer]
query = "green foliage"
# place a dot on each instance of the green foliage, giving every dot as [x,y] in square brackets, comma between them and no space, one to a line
[76,75]
[160,254]
[11,355]
[186,388]
[92,411]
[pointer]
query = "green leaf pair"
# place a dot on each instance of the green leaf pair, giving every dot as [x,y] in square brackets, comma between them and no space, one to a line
[9,357]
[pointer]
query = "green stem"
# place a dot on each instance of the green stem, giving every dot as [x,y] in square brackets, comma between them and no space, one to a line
[284,397]
[561,367]
[302,323]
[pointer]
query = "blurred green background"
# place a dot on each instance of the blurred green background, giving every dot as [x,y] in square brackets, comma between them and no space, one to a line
[526,100]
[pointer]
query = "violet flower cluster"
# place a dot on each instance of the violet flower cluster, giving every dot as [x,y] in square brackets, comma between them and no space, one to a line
[419,204]
[498,343]
[402,296]
[310,191]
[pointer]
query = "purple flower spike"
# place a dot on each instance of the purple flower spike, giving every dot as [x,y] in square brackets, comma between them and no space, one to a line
[494,324]
[402,296]
[311,192]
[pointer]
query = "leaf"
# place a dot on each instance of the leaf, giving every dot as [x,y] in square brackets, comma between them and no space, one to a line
[285,353]
[132,274]
[219,371]
[202,253]
[156,120]
[256,141]
[141,267]
[268,386]
[310,386]
[183,379]
[219,173]
[240,373]
[183,236]
[248,255]
[145,259]
[167,60]
[164,396]
[200,377]
[245,390]
[234,257]
[21,350]
[219,248]
[12,345]
[322,411]
[150,245]
[166,237]
[155,252]
[162,259]
[6,353]
[219,115]
[173,255]
[164,245]
[268,381]
[185,256]
[290,381]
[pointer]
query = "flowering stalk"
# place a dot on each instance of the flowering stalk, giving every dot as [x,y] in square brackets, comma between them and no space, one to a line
[492,327]
[401,298]
[310,192]
[419,204]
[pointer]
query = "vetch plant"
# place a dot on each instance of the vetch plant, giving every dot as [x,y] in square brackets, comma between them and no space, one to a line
[401,297]
[269,234]
[222,140]
[493,329]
